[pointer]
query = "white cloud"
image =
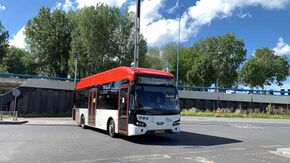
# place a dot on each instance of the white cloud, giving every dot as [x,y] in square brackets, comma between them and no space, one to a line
[73,4]
[19,39]
[2,7]
[159,31]
[86,3]
[282,48]
[149,11]
[244,15]
[58,6]
[66,6]
[175,7]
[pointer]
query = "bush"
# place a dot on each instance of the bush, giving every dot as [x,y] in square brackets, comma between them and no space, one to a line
[269,109]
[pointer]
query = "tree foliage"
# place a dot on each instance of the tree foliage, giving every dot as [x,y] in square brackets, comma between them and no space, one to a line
[222,55]
[48,36]
[153,59]
[202,72]
[13,60]
[19,61]
[104,38]
[264,68]
[3,42]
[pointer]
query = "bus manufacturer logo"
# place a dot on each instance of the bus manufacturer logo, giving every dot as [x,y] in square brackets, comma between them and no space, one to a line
[160,123]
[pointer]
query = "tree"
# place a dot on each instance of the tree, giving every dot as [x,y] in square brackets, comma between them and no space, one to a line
[202,72]
[153,59]
[264,68]
[48,36]
[223,56]
[19,61]
[168,56]
[14,60]
[3,43]
[104,38]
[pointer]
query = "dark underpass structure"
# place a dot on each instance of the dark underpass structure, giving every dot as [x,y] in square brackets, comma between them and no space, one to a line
[38,96]
[203,100]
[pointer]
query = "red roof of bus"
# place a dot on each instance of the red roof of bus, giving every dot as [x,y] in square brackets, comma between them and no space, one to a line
[119,73]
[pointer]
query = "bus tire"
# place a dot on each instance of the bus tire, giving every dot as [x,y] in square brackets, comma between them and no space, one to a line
[83,123]
[111,129]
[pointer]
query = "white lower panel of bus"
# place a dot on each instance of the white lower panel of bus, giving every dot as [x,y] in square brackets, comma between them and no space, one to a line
[155,124]
[101,118]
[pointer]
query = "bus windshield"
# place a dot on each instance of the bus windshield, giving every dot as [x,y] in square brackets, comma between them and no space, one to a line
[161,98]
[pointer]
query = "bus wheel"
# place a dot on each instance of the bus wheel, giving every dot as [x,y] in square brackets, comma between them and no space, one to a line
[83,122]
[111,129]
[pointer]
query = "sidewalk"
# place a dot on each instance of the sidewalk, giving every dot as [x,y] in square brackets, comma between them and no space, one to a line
[10,121]
[50,121]
[39,121]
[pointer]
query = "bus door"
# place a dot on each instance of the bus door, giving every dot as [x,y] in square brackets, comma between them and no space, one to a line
[92,107]
[123,109]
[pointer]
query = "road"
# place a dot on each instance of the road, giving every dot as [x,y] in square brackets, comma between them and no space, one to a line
[204,140]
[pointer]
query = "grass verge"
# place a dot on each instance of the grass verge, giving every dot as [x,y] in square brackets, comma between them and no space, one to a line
[235,115]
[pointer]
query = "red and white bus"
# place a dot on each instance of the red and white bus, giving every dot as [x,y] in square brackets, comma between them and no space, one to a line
[128,101]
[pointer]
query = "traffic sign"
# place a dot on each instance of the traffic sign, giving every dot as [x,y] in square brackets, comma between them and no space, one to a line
[16,92]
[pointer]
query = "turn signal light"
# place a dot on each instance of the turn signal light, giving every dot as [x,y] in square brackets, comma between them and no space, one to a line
[176,123]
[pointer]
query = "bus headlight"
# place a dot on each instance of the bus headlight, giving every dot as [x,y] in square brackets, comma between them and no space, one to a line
[138,123]
[176,123]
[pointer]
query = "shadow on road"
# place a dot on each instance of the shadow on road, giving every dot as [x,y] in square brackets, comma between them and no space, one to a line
[183,139]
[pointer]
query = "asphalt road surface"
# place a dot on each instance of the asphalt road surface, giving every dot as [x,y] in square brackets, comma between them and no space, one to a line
[204,140]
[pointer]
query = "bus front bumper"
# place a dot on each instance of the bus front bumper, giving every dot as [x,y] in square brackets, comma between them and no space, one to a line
[137,130]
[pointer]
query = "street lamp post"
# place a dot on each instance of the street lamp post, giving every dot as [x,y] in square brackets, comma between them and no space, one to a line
[217,70]
[76,65]
[178,49]
[137,34]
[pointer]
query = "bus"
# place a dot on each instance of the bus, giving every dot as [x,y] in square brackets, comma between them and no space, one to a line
[128,101]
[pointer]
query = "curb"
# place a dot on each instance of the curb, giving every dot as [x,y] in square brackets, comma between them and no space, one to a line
[12,122]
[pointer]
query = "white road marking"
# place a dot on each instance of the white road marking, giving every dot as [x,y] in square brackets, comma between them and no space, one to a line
[246,126]
[272,146]
[203,160]
[158,156]
[282,152]
[145,157]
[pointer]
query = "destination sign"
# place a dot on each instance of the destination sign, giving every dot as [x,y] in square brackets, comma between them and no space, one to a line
[155,80]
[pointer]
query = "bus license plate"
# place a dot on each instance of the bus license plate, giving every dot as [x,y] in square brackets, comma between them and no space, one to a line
[159,131]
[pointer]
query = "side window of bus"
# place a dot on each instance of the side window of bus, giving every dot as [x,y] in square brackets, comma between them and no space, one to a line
[107,99]
[101,104]
[81,98]
[113,100]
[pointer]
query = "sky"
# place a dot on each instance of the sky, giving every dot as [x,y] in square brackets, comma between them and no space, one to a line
[260,23]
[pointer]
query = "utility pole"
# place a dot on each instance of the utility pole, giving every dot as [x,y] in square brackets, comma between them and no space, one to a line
[76,65]
[137,33]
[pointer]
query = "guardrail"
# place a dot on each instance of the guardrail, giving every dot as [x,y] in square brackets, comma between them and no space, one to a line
[235,90]
[8,114]
[26,76]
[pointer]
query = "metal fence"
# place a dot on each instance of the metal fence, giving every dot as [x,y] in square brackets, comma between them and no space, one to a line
[282,92]
[26,76]
[8,115]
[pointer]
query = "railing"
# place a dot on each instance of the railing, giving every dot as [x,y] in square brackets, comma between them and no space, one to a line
[26,76]
[8,114]
[234,90]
